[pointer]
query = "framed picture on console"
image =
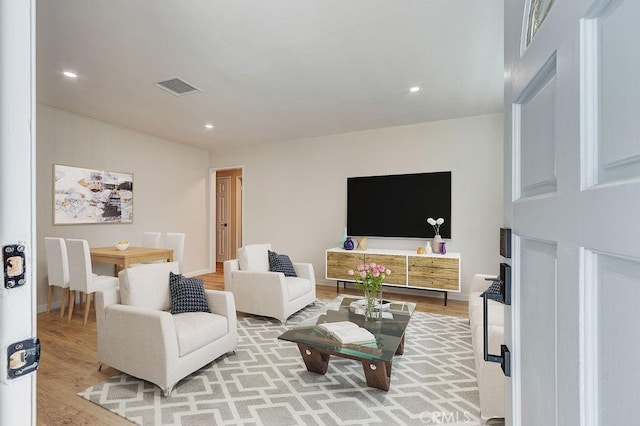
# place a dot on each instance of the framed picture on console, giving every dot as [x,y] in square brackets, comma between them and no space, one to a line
[91,196]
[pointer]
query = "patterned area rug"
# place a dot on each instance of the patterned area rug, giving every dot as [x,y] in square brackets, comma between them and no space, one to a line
[266,383]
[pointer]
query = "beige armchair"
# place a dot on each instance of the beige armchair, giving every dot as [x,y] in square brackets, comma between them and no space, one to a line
[491,381]
[259,291]
[138,336]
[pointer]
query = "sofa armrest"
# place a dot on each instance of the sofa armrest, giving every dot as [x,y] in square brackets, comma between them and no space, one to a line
[305,270]
[222,303]
[107,297]
[479,283]
[491,379]
[229,266]
[102,300]
[150,335]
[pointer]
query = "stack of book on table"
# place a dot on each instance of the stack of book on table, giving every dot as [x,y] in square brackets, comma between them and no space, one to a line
[379,304]
[347,332]
[359,307]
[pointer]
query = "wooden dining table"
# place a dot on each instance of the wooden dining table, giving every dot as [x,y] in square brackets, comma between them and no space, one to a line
[123,259]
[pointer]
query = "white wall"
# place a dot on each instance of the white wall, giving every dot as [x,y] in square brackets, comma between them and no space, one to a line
[170,185]
[295,191]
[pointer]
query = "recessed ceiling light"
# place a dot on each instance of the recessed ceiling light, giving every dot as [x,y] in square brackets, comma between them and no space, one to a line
[70,74]
[414,89]
[209,126]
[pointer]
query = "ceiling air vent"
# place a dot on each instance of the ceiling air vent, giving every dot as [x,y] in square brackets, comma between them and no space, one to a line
[177,87]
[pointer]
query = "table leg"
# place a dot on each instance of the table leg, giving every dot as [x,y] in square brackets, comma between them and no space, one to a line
[400,349]
[119,268]
[377,373]
[446,296]
[316,361]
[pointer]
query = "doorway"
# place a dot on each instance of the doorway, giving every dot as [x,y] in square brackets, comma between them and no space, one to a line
[227,211]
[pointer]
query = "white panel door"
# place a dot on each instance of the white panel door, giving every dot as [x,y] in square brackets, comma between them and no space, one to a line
[17,202]
[572,199]
[223,218]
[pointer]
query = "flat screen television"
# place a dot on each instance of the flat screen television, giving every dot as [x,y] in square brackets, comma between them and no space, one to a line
[398,205]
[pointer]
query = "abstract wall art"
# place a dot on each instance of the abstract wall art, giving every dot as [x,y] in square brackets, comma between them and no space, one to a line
[83,196]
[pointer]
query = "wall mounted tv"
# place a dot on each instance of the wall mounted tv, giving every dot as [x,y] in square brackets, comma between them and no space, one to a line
[398,205]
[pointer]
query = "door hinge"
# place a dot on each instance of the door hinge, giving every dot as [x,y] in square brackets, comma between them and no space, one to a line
[14,265]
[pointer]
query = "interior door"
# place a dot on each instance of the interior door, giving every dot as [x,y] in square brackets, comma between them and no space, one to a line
[223,218]
[17,217]
[572,199]
[238,218]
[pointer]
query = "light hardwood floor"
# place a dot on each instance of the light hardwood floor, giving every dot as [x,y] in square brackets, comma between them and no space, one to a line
[68,363]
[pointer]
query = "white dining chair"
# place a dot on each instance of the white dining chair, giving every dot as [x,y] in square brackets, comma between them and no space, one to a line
[175,242]
[152,240]
[58,270]
[81,276]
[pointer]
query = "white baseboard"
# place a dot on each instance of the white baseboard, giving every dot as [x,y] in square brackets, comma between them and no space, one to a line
[54,305]
[196,273]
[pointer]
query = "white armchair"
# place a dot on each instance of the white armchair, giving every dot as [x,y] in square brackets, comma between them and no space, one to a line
[260,292]
[139,336]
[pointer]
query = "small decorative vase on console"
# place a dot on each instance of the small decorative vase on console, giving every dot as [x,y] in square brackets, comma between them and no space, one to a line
[349,244]
[435,243]
[443,248]
[428,249]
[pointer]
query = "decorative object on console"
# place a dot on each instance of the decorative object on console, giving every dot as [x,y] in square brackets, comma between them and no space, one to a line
[443,248]
[343,239]
[349,244]
[428,249]
[369,278]
[420,250]
[437,239]
[362,243]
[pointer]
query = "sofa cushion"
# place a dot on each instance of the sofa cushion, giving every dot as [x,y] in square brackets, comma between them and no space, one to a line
[495,311]
[281,263]
[297,287]
[496,339]
[187,294]
[147,285]
[197,329]
[475,301]
[254,257]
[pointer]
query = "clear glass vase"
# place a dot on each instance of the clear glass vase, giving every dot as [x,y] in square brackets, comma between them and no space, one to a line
[373,305]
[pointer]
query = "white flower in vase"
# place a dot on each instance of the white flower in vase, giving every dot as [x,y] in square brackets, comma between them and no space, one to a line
[437,239]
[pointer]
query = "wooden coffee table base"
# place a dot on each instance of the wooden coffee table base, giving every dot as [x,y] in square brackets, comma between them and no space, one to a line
[377,373]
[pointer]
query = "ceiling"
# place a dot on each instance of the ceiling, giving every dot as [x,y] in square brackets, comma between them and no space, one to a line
[270,70]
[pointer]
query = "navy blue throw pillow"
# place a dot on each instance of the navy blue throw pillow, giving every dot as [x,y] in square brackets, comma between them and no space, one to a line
[281,263]
[187,294]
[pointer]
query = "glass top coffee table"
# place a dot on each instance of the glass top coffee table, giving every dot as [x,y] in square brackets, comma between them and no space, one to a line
[316,346]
